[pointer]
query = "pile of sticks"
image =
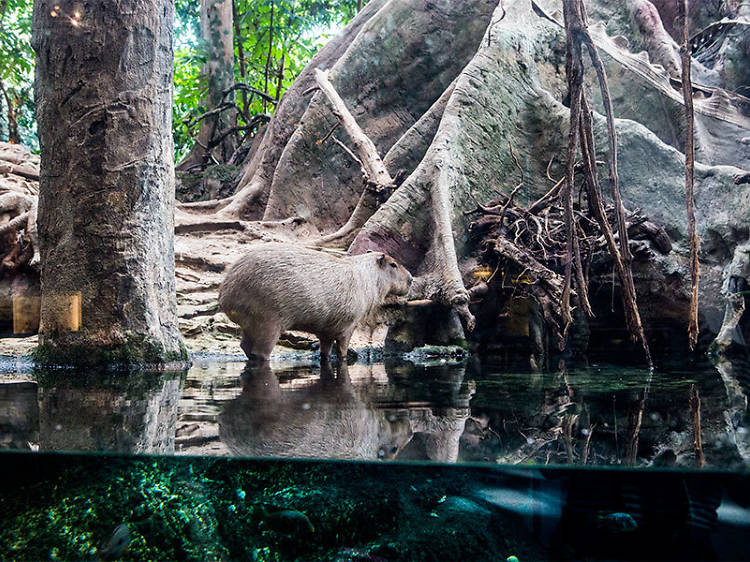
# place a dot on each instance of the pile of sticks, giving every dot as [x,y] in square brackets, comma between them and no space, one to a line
[530,243]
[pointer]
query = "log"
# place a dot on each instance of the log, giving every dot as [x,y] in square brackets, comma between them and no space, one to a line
[19,170]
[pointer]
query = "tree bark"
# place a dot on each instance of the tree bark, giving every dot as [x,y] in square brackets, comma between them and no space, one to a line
[687,93]
[106,194]
[217,32]
[13,136]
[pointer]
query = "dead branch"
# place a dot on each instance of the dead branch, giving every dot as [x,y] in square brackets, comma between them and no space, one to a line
[573,18]
[687,94]
[578,32]
[363,146]
[542,201]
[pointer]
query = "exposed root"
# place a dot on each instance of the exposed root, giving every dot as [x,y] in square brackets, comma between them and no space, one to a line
[578,35]
[687,92]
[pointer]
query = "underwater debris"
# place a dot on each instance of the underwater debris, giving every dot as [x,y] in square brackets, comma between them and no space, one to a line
[116,545]
[286,521]
[616,522]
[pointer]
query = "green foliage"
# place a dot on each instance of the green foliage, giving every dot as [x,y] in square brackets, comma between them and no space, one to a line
[228,509]
[293,31]
[300,28]
[17,70]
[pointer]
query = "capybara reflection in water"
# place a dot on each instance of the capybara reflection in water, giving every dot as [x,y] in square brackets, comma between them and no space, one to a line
[276,287]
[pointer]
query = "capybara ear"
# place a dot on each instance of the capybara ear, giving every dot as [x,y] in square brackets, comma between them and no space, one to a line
[381,260]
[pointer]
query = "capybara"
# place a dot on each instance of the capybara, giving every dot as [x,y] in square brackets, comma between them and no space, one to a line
[276,287]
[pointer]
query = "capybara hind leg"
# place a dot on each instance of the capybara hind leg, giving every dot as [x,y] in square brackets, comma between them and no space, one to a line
[326,344]
[342,345]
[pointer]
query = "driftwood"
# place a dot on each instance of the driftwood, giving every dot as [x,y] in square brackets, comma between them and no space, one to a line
[530,245]
[20,170]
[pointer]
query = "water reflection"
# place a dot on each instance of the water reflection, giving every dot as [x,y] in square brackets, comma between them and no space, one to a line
[128,413]
[440,410]
[19,415]
[331,417]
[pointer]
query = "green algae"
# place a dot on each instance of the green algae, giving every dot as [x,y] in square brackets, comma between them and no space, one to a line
[135,351]
[218,509]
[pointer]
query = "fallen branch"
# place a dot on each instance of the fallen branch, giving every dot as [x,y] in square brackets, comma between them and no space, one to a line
[572,12]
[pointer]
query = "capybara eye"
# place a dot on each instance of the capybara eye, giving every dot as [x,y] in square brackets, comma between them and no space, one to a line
[394,450]
[393,265]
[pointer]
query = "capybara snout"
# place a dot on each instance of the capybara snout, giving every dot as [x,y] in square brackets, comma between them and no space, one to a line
[276,287]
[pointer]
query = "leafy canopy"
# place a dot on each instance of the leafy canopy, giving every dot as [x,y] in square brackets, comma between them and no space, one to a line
[292,30]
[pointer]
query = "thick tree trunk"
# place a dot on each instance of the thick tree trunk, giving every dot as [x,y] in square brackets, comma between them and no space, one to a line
[104,94]
[216,31]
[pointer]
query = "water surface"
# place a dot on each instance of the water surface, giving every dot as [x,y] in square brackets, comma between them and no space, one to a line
[440,410]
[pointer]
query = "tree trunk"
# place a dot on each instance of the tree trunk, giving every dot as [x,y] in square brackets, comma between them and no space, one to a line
[13,136]
[106,194]
[217,32]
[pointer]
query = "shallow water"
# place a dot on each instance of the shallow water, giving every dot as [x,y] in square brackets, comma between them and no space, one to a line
[440,409]
[493,437]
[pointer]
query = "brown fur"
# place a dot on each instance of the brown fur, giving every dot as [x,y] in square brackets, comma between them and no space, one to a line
[276,287]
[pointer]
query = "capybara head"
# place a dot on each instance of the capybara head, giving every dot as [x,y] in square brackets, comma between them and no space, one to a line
[400,279]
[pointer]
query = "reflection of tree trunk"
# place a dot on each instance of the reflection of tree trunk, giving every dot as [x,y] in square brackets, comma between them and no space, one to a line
[695,416]
[106,189]
[19,415]
[635,418]
[139,418]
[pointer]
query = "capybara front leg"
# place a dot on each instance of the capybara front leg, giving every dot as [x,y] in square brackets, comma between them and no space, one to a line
[258,344]
[247,344]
